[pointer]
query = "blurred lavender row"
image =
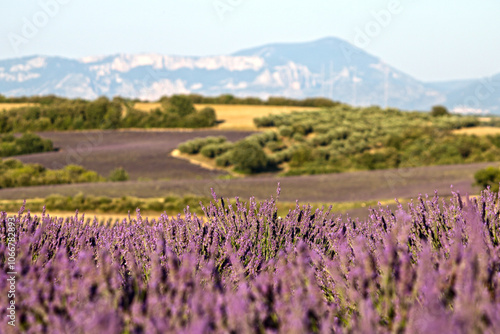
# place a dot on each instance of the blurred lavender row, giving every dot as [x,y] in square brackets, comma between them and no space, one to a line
[431,266]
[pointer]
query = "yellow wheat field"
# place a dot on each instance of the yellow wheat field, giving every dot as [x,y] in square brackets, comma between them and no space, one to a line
[8,106]
[235,117]
[479,131]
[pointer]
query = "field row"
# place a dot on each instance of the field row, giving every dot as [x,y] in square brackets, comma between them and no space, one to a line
[345,187]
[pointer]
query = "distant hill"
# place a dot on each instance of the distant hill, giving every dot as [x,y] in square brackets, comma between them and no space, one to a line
[483,94]
[329,67]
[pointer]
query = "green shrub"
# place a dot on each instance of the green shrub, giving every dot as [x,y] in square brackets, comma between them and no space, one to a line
[286,131]
[282,156]
[26,144]
[8,149]
[8,138]
[248,157]
[340,133]
[275,146]
[214,150]
[12,163]
[298,137]
[495,140]
[321,154]
[301,155]
[439,111]
[74,170]
[321,140]
[304,128]
[13,173]
[194,146]
[209,151]
[180,105]
[489,176]
[263,137]
[118,174]
[379,160]
[224,160]
[321,128]
[89,176]
[155,206]
[208,116]
[188,148]
[202,119]
[266,121]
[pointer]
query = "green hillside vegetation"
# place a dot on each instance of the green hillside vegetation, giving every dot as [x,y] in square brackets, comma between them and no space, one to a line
[102,113]
[26,144]
[13,173]
[346,138]
[488,177]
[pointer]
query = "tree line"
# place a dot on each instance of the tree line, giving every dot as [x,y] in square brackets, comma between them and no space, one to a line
[54,113]
[194,98]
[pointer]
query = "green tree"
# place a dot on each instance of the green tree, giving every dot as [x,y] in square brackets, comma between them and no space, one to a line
[489,176]
[226,99]
[113,116]
[180,105]
[248,157]
[300,156]
[5,123]
[208,116]
[118,174]
[95,112]
[439,111]
[31,143]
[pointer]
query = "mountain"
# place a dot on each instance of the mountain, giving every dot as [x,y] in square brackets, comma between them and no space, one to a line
[478,96]
[329,67]
[450,86]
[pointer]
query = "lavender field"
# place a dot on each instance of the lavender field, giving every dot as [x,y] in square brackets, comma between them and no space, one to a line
[430,266]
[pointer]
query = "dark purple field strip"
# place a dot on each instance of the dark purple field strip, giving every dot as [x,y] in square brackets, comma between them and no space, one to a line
[143,154]
[345,187]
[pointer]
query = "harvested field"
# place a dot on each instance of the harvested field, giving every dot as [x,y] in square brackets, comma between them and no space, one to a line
[146,106]
[8,106]
[235,117]
[479,131]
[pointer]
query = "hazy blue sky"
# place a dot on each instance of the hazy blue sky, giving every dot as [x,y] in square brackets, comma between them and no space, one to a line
[429,39]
